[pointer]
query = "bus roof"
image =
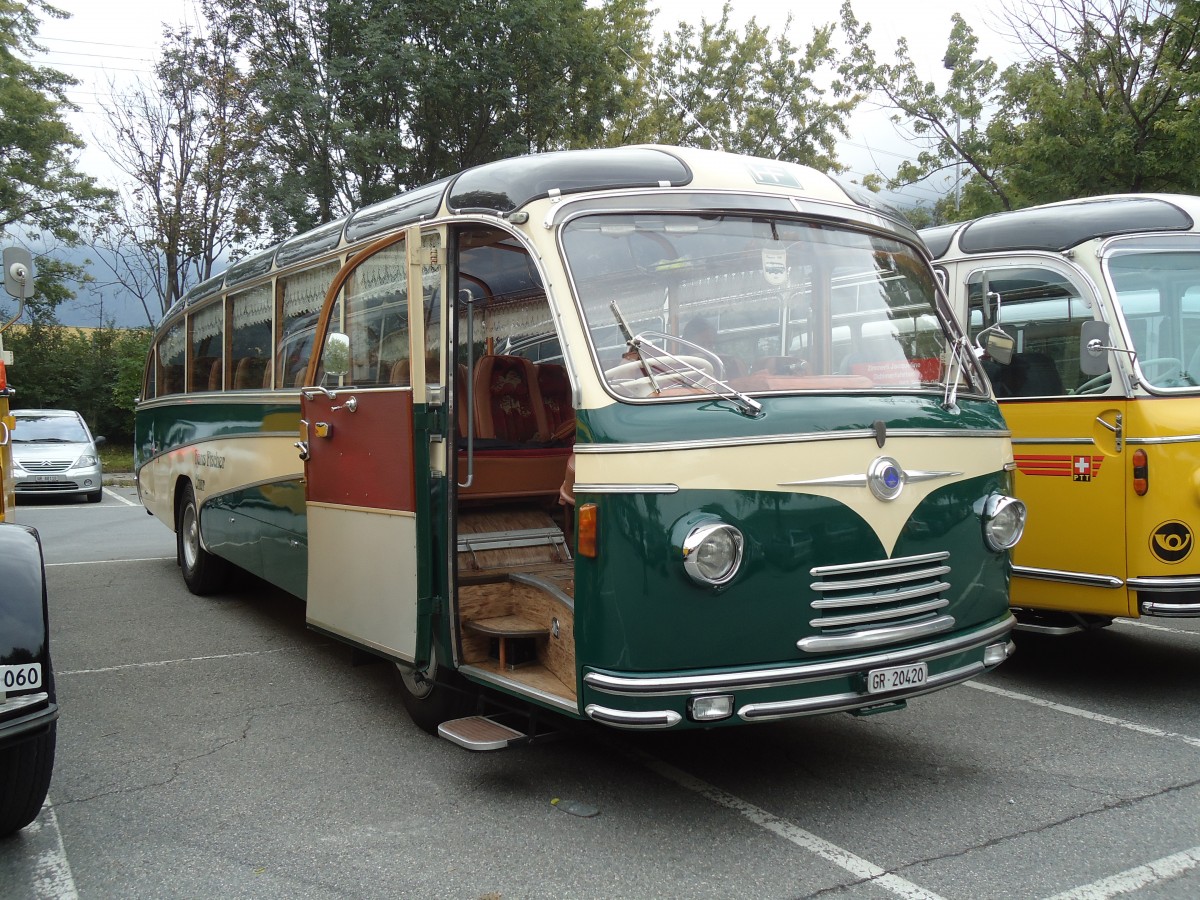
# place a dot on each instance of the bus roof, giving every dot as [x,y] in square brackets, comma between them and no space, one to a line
[504,186]
[1056,227]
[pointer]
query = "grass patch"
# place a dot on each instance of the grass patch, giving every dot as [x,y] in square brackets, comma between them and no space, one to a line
[116,457]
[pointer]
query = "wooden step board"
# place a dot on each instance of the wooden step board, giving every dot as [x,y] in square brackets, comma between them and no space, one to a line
[480,733]
[509,631]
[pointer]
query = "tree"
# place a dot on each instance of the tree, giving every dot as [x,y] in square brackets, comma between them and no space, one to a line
[43,195]
[187,143]
[1106,102]
[947,126]
[710,87]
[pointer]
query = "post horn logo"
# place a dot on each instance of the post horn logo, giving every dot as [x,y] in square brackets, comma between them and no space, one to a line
[1171,541]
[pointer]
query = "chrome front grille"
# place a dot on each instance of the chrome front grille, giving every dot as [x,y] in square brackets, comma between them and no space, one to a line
[879,602]
[45,466]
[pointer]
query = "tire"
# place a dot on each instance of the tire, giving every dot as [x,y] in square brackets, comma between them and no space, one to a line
[438,699]
[95,496]
[25,770]
[203,573]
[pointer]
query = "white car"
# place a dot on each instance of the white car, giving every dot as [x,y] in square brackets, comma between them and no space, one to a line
[55,453]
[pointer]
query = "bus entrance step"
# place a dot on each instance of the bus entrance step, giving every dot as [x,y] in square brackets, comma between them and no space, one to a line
[481,733]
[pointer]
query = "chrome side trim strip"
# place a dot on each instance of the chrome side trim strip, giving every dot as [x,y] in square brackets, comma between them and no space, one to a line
[1169,610]
[800,438]
[861,480]
[861,640]
[1054,440]
[1177,439]
[758,712]
[677,685]
[1166,584]
[516,687]
[872,599]
[1081,578]
[584,488]
[621,718]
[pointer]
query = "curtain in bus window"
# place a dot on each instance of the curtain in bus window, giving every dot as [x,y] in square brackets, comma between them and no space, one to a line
[172,353]
[375,316]
[251,339]
[208,343]
[303,294]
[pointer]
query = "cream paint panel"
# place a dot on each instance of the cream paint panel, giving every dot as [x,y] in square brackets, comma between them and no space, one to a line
[763,468]
[216,467]
[362,576]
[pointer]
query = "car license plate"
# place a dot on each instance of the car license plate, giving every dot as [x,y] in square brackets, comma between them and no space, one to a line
[897,678]
[45,478]
[20,678]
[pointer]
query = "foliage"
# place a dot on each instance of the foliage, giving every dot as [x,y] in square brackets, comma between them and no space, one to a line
[43,196]
[187,143]
[1103,103]
[97,372]
[711,88]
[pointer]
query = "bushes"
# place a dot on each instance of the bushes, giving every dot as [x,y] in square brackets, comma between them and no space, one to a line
[97,372]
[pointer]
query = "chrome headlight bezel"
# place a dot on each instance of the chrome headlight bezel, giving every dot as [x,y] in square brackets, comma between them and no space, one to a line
[1003,522]
[706,538]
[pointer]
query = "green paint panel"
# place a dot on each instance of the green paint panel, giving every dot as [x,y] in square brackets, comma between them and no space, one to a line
[160,429]
[263,530]
[645,614]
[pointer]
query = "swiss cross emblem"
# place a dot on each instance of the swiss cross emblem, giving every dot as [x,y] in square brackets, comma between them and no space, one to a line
[1081,468]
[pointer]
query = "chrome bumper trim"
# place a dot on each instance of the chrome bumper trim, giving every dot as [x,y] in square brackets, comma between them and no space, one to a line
[1167,584]
[1081,578]
[758,712]
[682,685]
[621,718]
[1169,610]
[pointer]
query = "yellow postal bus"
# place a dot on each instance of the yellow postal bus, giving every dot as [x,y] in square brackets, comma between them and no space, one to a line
[1089,313]
[654,437]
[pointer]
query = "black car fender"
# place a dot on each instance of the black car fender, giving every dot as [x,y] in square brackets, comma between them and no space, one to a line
[24,628]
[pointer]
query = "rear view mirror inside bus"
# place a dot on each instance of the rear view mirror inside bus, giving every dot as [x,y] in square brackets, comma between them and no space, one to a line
[337,354]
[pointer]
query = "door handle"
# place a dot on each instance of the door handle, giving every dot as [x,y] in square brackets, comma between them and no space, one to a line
[302,446]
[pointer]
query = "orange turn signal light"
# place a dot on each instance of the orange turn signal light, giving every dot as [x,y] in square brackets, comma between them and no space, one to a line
[1141,473]
[585,533]
[3,377]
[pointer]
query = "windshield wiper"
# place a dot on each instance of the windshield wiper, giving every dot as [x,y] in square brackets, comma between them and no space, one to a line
[703,381]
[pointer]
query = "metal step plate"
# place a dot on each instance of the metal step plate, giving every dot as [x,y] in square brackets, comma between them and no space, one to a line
[480,733]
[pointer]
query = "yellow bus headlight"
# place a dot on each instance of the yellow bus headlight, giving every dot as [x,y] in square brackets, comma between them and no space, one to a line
[1003,522]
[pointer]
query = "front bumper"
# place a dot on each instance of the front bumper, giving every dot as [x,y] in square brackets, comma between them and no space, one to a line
[662,701]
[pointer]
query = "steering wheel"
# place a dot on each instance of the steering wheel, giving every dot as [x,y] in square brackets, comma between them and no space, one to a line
[1095,385]
[630,377]
[1161,364]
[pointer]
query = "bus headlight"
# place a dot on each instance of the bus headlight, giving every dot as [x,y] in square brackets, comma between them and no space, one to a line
[1003,522]
[712,552]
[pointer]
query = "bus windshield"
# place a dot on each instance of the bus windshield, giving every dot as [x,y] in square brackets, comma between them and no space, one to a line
[1157,282]
[761,303]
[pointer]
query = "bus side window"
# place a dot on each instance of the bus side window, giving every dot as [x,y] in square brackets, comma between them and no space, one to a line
[303,294]
[172,354]
[250,337]
[208,342]
[374,313]
[1044,312]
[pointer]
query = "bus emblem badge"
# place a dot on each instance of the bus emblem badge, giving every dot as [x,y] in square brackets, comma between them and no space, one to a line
[1171,541]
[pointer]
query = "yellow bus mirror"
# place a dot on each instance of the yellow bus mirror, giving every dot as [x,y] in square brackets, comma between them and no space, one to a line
[1093,348]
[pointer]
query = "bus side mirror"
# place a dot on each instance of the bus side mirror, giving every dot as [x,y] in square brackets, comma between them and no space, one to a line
[1000,347]
[336,358]
[1094,344]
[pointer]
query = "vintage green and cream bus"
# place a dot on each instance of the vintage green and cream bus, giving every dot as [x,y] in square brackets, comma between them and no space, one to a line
[1096,303]
[654,437]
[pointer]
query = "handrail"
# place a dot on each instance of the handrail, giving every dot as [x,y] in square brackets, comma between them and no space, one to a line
[470,300]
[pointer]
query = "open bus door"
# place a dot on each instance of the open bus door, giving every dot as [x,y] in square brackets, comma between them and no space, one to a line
[373,463]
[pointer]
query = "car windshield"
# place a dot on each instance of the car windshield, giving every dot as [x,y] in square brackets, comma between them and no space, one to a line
[1157,280]
[760,303]
[34,429]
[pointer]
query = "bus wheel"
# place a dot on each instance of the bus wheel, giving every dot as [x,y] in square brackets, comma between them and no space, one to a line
[203,573]
[25,770]
[432,700]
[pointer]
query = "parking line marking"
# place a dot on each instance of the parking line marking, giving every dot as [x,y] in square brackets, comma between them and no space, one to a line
[1137,624]
[855,865]
[52,878]
[1085,714]
[117,496]
[96,562]
[171,662]
[1134,879]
